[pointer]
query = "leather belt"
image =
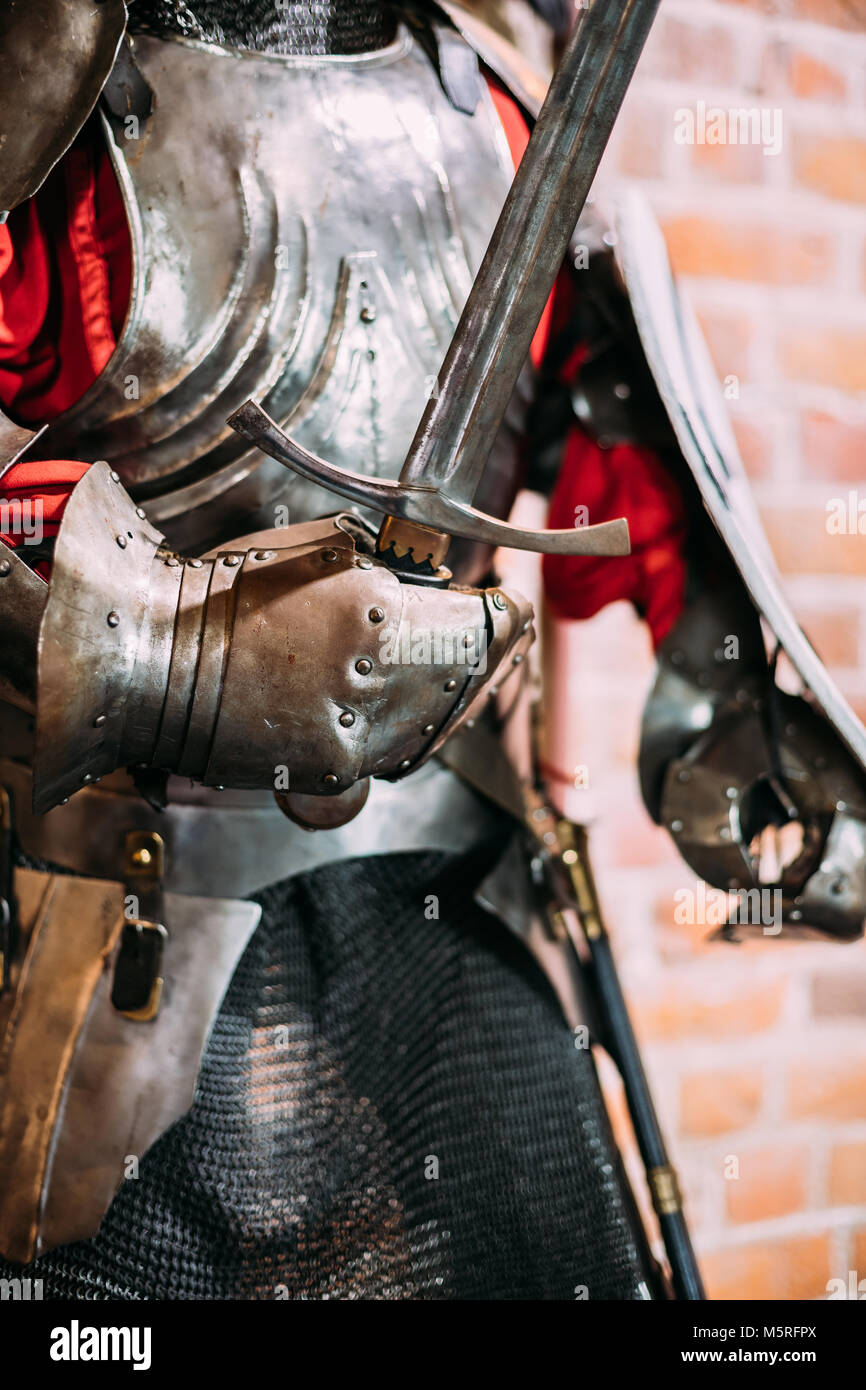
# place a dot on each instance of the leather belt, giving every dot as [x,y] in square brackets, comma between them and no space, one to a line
[232,844]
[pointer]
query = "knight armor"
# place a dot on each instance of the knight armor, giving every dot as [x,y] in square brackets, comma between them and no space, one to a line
[273,782]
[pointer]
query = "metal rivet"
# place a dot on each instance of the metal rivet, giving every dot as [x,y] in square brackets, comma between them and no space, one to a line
[622,391]
[450,685]
[365,563]
[376,615]
[684,775]
[5,568]
[527,625]
[142,856]
[88,777]
[499,600]
[428,729]
[517,659]
[121,541]
[264,554]
[347,719]
[731,793]
[172,562]
[329,556]
[330,779]
[99,721]
[363,667]
[609,238]
[232,560]
[194,564]
[115,477]
[368,314]
[796,916]
[407,762]
[676,826]
[113,618]
[141,513]
[470,724]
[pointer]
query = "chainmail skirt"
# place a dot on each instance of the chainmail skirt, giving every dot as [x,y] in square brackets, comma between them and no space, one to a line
[390,1107]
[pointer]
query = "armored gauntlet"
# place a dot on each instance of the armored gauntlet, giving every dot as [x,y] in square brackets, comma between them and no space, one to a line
[297,662]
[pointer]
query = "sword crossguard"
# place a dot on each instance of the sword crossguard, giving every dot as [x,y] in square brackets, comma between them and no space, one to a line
[424,506]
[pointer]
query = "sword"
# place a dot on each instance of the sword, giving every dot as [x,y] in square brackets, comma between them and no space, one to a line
[432,499]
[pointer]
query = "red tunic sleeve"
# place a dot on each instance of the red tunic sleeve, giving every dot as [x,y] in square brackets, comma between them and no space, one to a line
[65,274]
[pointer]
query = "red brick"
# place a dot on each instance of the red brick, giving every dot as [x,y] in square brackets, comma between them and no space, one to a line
[839,994]
[771,1182]
[832,165]
[729,338]
[730,163]
[833,448]
[738,251]
[683,1008]
[835,633]
[701,52]
[788,70]
[797,1268]
[839,14]
[828,356]
[640,133]
[801,544]
[755,442]
[812,78]
[718,1102]
[848,1176]
[832,1090]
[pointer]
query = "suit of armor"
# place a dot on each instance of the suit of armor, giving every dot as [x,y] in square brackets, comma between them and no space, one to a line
[258,809]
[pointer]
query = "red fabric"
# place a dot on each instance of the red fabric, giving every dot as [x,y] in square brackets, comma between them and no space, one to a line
[63,299]
[621,481]
[38,492]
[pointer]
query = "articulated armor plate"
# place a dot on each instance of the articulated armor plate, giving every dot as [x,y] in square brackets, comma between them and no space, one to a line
[300,664]
[288,268]
[56,57]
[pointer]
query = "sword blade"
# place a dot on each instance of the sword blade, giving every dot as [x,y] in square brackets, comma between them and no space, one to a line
[491,342]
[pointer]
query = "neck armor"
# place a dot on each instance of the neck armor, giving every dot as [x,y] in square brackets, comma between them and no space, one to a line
[300,27]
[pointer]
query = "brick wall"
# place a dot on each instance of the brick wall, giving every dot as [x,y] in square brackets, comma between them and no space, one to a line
[757,1052]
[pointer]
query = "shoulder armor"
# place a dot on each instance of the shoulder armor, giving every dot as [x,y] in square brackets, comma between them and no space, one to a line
[56,56]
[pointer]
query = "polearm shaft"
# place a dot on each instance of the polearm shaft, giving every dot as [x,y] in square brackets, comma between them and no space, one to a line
[491,343]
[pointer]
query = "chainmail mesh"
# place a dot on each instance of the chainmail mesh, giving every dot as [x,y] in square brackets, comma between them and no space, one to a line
[297,26]
[362,1048]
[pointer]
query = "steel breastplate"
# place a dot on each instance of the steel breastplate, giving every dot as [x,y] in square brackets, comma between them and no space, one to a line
[305,231]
